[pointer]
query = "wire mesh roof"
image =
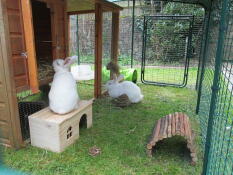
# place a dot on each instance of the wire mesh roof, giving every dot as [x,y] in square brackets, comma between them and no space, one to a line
[83,5]
[204,3]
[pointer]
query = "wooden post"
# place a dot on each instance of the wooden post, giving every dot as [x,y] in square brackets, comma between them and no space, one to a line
[115,35]
[98,48]
[30,45]
[67,29]
[115,38]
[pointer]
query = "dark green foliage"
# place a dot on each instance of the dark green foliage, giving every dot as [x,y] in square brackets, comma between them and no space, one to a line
[166,39]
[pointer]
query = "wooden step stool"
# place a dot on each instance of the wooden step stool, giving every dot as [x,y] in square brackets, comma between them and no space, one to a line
[55,132]
[171,125]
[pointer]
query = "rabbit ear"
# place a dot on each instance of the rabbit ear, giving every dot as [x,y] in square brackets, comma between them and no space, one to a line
[58,64]
[70,60]
[67,61]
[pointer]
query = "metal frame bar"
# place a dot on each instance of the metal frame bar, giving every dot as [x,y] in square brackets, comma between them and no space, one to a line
[200,55]
[206,39]
[215,86]
[189,18]
[132,39]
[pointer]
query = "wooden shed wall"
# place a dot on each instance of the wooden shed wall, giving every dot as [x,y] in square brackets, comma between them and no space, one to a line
[17,42]
[17,30]
[10,133]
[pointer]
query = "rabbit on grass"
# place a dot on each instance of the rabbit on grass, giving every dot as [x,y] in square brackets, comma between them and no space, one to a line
[116,89]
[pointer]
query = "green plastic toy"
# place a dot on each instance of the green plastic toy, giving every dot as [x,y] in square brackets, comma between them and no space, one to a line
[129,74]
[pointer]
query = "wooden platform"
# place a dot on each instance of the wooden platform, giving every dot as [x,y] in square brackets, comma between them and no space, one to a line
[172,125]
[55,132]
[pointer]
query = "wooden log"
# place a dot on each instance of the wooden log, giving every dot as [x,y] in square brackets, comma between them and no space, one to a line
[169,129]
[193,155]
[166,126]
[188,130]
[171,125]
[191,147]
[185,127]
[194,161]
[161,129]
[156,133]
[164,133]
[154,136]
[194,158]
[192,135]
[182,124]
[177,124]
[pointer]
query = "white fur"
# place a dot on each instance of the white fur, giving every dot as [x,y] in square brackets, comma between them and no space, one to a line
[63,95]
[116,89]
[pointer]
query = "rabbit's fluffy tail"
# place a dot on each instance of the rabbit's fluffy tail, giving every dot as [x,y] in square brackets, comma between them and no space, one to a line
[137,100]
[141,97]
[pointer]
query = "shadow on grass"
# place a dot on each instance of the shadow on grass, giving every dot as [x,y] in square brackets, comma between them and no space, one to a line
[175,146]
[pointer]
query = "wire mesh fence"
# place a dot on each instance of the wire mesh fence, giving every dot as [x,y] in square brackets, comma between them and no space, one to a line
[151,8]
[216,104]
[107,40]
[131,35]
[167,49]
[82,44]
[214,78]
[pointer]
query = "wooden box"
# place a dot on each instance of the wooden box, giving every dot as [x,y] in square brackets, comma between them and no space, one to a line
[55,132]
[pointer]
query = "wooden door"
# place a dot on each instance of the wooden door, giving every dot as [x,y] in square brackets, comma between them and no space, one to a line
[17,43]
[59,27]
[10,132]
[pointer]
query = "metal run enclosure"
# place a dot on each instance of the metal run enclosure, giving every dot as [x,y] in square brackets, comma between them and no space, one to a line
[166,49]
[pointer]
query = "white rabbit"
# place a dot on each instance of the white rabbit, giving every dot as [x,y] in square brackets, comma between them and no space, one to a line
[63,95]
[116,89]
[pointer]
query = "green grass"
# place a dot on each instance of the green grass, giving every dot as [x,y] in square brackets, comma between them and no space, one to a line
[122,135]
[164,75]
[170,75]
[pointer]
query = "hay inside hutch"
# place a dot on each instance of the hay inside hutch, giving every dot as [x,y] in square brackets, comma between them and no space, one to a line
[42,25]
[34,33]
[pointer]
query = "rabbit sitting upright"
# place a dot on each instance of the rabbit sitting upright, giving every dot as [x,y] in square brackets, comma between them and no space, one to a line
[63,95]
[116,89]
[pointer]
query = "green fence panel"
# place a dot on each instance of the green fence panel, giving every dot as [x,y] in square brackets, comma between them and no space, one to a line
[216,103]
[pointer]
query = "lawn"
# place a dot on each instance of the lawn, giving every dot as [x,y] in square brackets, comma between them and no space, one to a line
[121,134]
[166,75]
[170,75]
